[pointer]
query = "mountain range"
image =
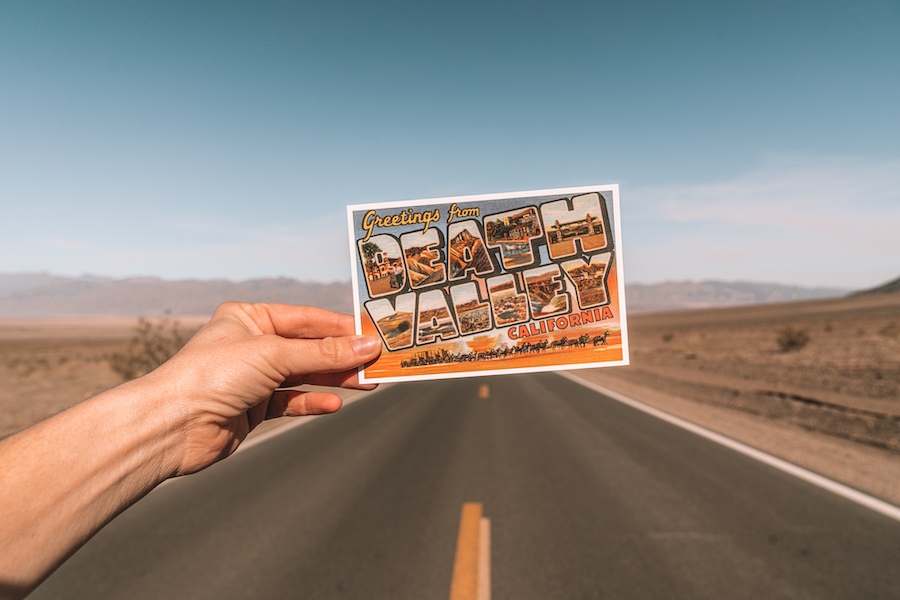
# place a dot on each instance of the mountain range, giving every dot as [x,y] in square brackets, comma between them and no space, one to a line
[35,295]
[683,295]
[43,295]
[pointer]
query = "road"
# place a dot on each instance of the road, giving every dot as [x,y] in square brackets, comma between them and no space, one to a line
[587,498]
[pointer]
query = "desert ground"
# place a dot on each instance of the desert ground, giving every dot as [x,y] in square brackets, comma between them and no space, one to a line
[831,405]
[48,365]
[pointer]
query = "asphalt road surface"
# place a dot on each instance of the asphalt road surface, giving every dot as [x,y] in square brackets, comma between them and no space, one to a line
[587,498]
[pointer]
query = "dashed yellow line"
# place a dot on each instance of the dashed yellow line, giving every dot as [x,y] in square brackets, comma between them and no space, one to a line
[464,585]
[471,568]
[484,391]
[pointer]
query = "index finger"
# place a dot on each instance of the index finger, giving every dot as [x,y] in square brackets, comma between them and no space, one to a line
[306,321]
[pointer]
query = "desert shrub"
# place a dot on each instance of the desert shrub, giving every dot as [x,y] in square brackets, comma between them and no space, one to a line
[153,344]
[668,336]
[891,330]
[790,339]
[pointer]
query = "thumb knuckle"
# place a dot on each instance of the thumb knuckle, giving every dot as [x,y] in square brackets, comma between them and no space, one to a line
[334,350]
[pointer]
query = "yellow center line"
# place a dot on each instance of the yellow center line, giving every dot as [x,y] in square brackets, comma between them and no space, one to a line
[464,585]
[484,391]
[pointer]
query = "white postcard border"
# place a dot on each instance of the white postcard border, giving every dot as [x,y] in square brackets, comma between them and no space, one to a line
[568,191]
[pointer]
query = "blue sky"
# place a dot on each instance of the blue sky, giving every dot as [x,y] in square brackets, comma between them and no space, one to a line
[754,141]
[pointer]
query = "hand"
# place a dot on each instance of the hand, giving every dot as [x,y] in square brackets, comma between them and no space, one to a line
[224,381]
[66,477]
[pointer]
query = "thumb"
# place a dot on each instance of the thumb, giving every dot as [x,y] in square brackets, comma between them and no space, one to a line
[330,354]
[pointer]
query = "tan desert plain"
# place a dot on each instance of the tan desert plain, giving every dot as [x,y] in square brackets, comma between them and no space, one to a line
[814,382]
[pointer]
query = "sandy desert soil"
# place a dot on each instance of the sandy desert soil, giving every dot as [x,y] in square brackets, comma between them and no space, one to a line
[832,406]
[48,365]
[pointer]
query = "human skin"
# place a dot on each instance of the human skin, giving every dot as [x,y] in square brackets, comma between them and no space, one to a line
[67,477]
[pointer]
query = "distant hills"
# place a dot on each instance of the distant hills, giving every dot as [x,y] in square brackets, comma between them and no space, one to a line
[42,295]
[681,295]
[890,287]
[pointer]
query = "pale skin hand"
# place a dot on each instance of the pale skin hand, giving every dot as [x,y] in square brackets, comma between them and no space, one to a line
[65,478]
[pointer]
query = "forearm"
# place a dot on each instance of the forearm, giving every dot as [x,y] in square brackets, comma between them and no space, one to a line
[65,478]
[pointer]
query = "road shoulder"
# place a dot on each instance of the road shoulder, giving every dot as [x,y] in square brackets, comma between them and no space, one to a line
[865,468]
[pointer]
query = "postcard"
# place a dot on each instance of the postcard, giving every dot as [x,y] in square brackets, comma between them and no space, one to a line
[491,284]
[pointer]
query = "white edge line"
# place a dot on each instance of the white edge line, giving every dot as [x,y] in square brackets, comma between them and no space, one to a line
[484,559]
[620,273]
[870,502]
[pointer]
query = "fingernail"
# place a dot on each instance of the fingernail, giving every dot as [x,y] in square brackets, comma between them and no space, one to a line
[365,344]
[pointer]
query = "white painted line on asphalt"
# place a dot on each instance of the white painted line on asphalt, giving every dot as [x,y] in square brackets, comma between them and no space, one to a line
[870,502]
[484,559]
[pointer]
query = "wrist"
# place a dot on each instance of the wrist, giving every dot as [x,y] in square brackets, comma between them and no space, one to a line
[154,424]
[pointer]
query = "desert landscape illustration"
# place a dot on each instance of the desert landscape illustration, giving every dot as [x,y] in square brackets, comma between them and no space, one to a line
[467,251]
[583,222]
[512,232]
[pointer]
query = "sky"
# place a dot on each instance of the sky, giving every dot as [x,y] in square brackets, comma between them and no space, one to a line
[751,141]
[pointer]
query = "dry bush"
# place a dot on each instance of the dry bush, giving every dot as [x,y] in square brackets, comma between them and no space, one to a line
[152,345]
[790,339]
[891,330]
